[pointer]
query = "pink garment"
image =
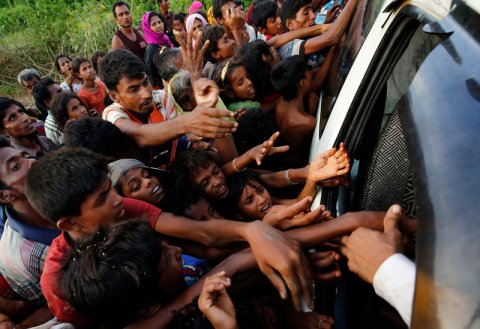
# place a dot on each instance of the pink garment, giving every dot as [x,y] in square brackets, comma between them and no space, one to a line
[191,18]
[196,6]
[153,37]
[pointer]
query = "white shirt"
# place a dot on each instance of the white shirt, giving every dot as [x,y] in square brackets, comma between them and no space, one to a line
[394,281]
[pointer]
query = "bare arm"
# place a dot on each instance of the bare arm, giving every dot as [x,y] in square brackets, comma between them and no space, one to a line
[308,32]
[321,74]
[203,122]
[333,35]
[117,43]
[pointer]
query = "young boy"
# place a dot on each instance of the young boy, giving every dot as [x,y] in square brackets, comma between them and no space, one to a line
[71,188]
[265,18]
[292,80]
[221,47]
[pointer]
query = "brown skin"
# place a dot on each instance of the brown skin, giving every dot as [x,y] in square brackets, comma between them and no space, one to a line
[18,126]
[123,17]
[30,84]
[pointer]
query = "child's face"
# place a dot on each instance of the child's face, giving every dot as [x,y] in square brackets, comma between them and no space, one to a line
[273,25]
[156,24]
[65,65]
[177,25]
[76,110]
[212,182]
[202,210]
[140,184]
[86,72]
[304,18]
[170,281]
[255,201]
[226,48]
[241,84]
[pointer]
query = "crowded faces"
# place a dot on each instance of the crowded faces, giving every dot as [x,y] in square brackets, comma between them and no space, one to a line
[72,82]
[231,16]
[126,36]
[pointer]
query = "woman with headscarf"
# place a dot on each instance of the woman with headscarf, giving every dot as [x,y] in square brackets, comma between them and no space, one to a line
[193,23]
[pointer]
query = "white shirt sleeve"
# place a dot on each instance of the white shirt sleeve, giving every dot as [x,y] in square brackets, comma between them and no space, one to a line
[394,281]
[114,112]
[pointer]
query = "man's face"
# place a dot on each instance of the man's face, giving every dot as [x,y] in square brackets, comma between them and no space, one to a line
[304,18]
[123,16]
[226,48]
[30,84]
[14,166]
[134,94]
[101,208]
[16,123]
[164,5]
[212,181]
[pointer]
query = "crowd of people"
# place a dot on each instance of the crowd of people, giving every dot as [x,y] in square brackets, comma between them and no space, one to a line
[165,182]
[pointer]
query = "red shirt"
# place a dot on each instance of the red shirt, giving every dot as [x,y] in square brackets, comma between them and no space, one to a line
[52,274]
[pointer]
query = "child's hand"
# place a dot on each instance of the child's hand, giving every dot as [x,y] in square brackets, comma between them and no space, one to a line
[215,303]
[281,218]
[331,163]
[324,265]
[267,148]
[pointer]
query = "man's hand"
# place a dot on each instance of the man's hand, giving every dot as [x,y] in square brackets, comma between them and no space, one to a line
[266,148]
[215,303]
[366,249]
[324,265]
[209,123]
[281,259]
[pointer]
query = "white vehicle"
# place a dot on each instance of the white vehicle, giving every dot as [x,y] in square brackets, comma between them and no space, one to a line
[405,99]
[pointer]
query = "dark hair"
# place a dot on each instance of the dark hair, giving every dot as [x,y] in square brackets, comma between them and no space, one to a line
[212,33]
[252,55]
[4,142]
[187,165]
[59,108]
[95,57]
[289,10]
[287,75]
[164,62]
[57,65]
[118,64]
[77,61]
[160,16]
[100,136]
[58,183]
[179,17]
[236,185]
[118,4]
[184,201]
[5,103]
[217,7]
[262,11]
[41,94]
[254,127]
[113,275]
[224,80]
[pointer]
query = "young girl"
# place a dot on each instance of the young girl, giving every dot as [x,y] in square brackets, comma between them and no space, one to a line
[67,107]
[72,83]
[93,93]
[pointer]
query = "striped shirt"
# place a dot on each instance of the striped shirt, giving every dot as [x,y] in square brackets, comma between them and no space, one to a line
[52,131]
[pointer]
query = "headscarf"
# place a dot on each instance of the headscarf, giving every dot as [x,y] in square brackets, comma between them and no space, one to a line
[191,18]
[153,37]
[196,6]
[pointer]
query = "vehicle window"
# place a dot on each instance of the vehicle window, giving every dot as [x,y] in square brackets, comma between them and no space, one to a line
[362,21]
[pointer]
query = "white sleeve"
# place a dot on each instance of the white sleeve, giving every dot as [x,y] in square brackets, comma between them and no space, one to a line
[114,112]
[394,281]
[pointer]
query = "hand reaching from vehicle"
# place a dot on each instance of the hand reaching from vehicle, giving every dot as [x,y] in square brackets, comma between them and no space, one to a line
[215,303]
[282,260]
[329,164]
[266,148]
[366,249]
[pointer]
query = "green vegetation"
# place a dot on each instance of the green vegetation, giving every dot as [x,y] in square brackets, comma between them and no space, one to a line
[32,32]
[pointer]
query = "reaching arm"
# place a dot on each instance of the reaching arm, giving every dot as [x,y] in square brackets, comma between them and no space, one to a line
[321,73]
[308,32]
[335,32]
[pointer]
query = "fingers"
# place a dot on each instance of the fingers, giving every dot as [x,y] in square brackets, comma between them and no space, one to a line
[304,273]
[274,137]
[277,282]
[390,222]
[298,207]
[278,149]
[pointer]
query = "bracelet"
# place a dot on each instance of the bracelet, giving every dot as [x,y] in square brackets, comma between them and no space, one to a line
[235,167]
[288,178]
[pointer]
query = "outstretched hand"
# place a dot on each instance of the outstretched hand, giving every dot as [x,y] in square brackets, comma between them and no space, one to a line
[266,148]
[215,303]
[193,55]
[282,260]
[330,164]
[367,249]
[280,216]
